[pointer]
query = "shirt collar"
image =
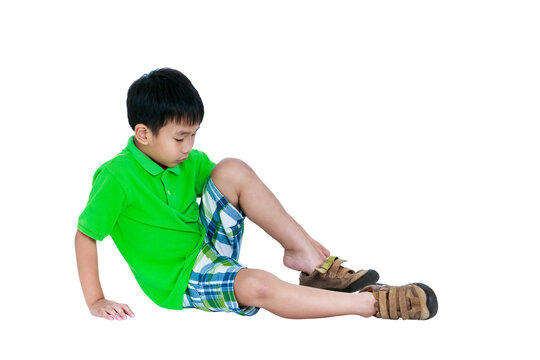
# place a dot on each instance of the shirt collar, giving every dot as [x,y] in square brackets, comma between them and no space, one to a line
[148,164]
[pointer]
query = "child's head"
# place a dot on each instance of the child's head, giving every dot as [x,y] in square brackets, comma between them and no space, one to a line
[165,111]
[162,96]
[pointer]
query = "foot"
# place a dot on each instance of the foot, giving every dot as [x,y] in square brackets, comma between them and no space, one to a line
[304,260]
[413,301]
[368,304]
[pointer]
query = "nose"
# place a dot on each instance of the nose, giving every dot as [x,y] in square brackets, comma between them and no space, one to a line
[185,149]
[187,146]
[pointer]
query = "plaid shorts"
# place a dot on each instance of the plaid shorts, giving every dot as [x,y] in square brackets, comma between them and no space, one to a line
[211,284]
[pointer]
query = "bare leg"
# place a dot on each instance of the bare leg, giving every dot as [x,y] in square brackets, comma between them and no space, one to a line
[261,289]
[245,191]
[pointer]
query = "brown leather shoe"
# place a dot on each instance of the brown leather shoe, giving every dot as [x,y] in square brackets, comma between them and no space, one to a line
[413,301]
[332,276]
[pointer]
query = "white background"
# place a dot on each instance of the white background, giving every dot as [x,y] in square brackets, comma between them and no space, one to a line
[401,134]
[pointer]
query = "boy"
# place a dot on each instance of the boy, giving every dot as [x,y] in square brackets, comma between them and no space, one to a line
[185,255]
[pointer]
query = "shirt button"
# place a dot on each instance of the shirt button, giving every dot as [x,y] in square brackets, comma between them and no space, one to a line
[169,192]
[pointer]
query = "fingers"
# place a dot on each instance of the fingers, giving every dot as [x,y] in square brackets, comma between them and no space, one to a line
[326,253]
[110,314]
[322,250]
[111,310]
[119,312]
[127,310]
[123,311]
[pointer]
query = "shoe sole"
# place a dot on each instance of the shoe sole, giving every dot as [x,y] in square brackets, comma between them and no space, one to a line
[369,278]
[431,300]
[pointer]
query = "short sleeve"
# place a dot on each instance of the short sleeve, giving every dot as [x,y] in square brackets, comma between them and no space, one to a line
[106,202]
[204,169]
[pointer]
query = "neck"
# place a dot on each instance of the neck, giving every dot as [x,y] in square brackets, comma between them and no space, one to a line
[142,148]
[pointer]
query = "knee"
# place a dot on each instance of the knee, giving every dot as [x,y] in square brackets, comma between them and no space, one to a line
[253,287]
[229,169]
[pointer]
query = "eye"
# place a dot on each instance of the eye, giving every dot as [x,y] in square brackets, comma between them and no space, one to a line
[179,140]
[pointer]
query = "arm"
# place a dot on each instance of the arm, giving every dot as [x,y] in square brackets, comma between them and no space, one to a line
[320,248]
[87,264]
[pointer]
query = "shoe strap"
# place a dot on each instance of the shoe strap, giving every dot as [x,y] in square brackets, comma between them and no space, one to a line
[383,303]
[394,302]
[336,270]
[326,265]
[403,303]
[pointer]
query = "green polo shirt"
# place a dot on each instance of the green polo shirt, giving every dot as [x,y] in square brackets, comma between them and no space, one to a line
[152,215]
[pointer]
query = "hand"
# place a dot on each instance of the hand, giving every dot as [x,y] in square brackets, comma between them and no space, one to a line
[110,310]
[321,249]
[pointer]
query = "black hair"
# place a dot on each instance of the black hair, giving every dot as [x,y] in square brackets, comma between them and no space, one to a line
[162,96]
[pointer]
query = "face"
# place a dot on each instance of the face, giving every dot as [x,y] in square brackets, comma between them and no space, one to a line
[170,146]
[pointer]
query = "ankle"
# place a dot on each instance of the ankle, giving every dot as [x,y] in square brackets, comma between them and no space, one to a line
[301,260]
[366,304]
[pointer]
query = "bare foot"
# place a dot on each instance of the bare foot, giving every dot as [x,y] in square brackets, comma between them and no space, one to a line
[306,260]
[368,304]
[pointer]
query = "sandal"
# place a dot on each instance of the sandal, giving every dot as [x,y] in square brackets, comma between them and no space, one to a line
[413,301]
[332,276]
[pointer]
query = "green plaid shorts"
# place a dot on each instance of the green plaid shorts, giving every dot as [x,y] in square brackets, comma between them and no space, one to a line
[211,284]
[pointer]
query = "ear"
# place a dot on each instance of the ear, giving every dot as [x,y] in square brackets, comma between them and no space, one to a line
[143,134]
